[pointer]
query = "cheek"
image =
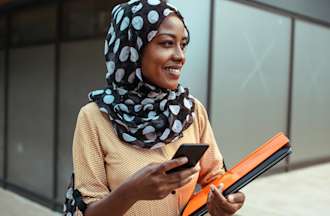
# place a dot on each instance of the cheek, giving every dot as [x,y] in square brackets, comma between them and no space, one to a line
[156,61]
[161,58]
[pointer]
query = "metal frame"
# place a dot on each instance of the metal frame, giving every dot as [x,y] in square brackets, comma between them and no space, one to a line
[57,99]
[210,61]
[6,99]
[290,93]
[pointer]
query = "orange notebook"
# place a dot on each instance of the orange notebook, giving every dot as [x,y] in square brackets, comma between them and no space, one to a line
[249,168]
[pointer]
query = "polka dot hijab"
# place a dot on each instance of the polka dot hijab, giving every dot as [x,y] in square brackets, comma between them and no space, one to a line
[142,114]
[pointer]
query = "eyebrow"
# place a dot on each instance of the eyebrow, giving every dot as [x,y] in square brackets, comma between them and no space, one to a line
[172,35]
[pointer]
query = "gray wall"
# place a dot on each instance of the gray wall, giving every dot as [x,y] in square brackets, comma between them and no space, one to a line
[2,114]
[195,71]
[311,93]
[250,77]
[31,119]
[319,9]
[249,95]
[82,70]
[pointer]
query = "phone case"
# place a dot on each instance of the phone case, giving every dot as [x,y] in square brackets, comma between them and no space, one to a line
[249,168]
[193,152]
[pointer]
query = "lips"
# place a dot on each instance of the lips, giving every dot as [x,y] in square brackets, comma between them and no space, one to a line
[173,71]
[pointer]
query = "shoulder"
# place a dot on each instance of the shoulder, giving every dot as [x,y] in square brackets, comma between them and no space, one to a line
[90,113]
[201,116]
[200,109]
[90,109]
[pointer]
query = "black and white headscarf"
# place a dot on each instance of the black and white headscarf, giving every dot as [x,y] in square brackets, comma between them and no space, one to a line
[142,114]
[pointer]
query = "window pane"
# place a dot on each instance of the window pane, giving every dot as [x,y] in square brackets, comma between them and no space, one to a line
[86,18]
[37,25]
[311,98]
[2,32]
[250,77]
[76,80]
[30,139]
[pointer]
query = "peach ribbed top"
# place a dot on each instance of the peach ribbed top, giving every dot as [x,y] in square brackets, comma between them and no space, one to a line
[102,161]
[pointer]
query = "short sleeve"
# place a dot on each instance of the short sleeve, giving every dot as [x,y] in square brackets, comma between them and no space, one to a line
[88,159]
[212,161]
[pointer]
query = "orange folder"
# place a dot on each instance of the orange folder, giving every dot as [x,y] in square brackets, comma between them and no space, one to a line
[249,168]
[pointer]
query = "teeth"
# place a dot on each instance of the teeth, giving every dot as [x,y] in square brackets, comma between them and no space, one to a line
[172,70]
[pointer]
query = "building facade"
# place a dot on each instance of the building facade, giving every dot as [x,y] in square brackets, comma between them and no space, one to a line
[259,67]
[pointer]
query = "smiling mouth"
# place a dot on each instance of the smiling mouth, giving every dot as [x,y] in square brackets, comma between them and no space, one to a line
[173,71]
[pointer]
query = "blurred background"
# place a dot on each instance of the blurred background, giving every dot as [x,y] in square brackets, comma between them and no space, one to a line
[259,66]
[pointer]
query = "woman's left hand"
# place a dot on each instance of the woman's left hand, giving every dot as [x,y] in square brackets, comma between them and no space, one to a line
[218,205]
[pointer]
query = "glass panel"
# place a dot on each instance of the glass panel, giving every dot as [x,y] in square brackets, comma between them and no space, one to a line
[2,109]
[31,119]
[86,18]
[318,9]
[195,72]
[80,73]
[311,98]
[37,25]
[250,77]
[2,32]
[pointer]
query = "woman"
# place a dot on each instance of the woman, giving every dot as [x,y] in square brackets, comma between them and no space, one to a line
[125,138]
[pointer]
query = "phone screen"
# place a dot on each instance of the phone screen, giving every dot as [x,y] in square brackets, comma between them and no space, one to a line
[193,152]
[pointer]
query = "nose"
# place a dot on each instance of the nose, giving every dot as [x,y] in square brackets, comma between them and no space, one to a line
[179,54]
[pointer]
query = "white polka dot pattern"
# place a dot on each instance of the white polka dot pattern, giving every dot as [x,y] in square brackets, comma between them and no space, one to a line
[137,22]
[141,112]
[116,46]
[153,2]
[151,35]
[136,8]
[124,24]
[153,16]
[119,16]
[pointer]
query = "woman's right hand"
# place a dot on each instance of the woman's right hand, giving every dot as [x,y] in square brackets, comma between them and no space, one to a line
[152,182]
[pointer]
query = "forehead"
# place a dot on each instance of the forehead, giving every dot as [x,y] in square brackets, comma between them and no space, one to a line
[173,25]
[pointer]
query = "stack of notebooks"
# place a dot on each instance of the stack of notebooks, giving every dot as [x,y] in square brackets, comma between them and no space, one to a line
[249,168]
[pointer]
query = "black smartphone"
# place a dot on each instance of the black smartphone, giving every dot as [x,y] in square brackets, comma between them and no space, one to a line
[193,152]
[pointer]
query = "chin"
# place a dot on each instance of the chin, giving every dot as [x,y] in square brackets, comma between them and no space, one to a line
[173,87]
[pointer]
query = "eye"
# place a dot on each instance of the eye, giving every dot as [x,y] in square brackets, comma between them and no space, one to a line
[167,43]
[184,45]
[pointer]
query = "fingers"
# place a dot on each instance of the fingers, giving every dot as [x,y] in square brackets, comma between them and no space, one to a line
[238,197]
[217,199]
[168,165]
[180,175]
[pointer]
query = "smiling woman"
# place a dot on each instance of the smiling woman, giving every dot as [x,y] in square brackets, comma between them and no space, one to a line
[128,133]
[163,58]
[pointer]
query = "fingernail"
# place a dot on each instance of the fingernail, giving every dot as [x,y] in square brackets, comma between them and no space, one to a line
[220,187]
[184,160]
[212,188]
[209,196]
[230,198]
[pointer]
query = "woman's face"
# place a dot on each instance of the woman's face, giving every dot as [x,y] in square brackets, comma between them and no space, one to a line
[164,57]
